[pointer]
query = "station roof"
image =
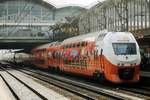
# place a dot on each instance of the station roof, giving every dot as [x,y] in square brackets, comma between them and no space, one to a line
[66,3]
[81,3]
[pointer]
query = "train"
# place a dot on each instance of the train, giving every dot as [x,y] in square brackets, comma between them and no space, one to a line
[17,58]
[113,56]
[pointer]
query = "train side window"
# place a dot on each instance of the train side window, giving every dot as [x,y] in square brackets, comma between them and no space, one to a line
[66,46]
[74,45]
[71,45]
[78,44]
[101,51]
[82,44]
[49,54]
[86,43]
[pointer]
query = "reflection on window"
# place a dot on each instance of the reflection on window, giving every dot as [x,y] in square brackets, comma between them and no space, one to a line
[124,48]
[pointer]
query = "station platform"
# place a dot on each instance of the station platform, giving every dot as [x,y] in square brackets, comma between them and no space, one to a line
[5,94]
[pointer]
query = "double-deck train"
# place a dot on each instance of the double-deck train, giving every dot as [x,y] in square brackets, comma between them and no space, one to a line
[114,56]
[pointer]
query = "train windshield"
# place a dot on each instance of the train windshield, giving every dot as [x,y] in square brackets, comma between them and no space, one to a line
[124,48]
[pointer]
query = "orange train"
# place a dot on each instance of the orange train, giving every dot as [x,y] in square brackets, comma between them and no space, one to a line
[114,56]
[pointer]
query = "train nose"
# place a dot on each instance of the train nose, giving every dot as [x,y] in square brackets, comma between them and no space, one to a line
[126,73]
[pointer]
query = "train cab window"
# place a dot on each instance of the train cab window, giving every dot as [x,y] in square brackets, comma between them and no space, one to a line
[124,48]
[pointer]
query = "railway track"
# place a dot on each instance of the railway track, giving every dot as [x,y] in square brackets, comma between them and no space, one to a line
[21,88]
[86,90]
[92,92]
[84,93]
[8,75]
[138,90]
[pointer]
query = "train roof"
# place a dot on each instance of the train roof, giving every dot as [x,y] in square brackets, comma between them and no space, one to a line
[85,37]
[47,45]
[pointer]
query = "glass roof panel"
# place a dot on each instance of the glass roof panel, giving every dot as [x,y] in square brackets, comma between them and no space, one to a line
[81,3]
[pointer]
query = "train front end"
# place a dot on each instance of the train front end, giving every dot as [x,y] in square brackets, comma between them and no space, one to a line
[122,58]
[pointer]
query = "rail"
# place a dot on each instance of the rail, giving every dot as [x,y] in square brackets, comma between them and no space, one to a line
[55,80]
[13,92]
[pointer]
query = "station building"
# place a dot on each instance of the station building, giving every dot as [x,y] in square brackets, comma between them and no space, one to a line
[32,17]
[119,15]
